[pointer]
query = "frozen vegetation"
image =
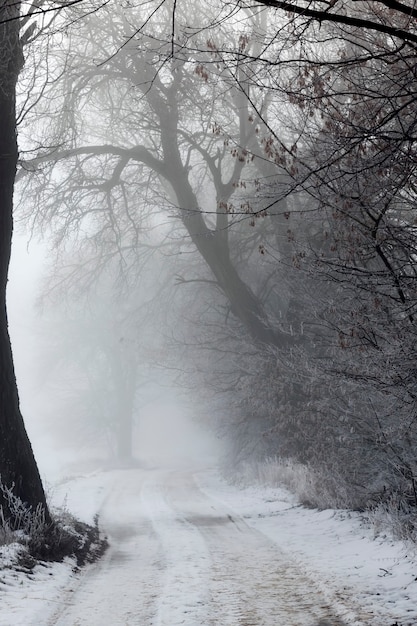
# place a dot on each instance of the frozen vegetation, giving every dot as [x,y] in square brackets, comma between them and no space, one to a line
[213,210]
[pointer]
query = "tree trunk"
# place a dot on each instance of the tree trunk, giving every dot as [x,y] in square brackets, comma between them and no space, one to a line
[124,374]
[214,249]
[211,244]
[18,467]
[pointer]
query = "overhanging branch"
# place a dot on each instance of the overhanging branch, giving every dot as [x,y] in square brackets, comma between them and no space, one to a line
[325,15]
[137,153]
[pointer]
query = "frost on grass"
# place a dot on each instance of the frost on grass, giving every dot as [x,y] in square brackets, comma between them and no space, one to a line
[393,516]
[27,538]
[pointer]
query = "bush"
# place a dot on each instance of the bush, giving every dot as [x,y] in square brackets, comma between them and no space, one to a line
[395,517]
[64,537]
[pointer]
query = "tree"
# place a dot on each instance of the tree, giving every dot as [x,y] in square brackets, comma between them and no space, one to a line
[308,127]
[193,156]
[18,467]
[96,353]
[198,155]
[355,160]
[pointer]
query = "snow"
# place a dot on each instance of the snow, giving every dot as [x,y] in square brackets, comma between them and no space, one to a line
[335,548]
[28,597]
[187,561]
[164,551]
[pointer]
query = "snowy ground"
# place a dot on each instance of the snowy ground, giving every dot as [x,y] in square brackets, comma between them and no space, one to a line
[186,548]
[374,580]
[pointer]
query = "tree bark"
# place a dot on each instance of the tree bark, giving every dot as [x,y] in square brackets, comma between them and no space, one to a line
[215,251]
[211,244]
[18,467]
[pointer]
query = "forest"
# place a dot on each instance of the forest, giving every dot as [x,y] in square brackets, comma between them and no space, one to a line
[227,194]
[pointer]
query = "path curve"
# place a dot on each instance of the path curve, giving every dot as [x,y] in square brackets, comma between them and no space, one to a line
[177,557]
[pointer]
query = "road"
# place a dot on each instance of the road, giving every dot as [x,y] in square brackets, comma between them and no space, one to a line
[179,557]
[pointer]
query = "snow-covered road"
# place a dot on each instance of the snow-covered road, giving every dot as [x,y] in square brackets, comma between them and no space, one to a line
[187,548]
[180,557]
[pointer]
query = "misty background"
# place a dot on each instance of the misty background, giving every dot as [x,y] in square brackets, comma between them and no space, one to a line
[169,430]
[221,216]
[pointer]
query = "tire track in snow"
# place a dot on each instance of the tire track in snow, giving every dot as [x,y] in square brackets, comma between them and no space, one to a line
[252,581]
[184,598]
[122,588]
[179,557]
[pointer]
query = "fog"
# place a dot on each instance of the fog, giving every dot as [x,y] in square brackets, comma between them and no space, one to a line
[221,261]
[167,427]
[151,308]
[198,276]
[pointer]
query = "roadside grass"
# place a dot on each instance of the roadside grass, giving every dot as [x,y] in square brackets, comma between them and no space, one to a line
[35,540]
[392,516]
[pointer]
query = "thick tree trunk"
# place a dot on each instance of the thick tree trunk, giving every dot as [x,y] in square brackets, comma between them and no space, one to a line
[212,244]
[18,467]
[214,249]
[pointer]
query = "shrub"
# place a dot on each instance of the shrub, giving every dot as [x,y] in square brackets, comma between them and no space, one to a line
[64,537]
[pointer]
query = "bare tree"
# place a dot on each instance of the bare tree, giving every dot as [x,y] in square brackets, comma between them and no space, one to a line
[192,149]
[305,130]
[18,469]
[17,466]
[355,161]
[97,349]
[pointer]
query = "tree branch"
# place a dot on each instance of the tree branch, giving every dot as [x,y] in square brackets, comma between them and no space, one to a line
[324,15]
[137,153]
